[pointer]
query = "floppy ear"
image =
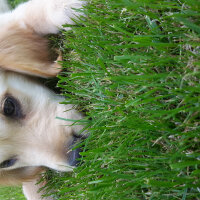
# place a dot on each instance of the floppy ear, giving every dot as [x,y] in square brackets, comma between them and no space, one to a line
[17,176]
[22,50]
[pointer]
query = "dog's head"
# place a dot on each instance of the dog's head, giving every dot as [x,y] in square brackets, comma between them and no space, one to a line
[30,135]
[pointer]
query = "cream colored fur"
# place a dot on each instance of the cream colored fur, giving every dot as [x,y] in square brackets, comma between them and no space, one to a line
[38,140]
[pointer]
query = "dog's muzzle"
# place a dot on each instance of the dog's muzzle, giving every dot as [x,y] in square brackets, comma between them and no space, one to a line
[73,153]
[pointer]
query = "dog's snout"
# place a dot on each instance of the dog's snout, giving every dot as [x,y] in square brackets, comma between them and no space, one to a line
[74,152]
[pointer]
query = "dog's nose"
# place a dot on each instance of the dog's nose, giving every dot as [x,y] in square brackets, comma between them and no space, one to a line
[74,153]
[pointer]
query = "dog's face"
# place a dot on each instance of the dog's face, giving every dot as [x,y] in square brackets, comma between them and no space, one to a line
[30,134]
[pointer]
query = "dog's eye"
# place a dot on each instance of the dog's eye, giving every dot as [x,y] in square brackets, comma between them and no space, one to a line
[8,163]
[12,108]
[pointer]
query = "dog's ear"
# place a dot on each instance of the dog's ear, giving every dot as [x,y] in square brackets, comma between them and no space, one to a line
[17,176]
[22,50]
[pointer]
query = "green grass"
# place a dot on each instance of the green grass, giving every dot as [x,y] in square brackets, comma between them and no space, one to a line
[14,3]
[11,193]
[133,67]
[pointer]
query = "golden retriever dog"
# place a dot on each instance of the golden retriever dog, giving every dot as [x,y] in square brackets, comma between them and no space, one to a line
[31,138]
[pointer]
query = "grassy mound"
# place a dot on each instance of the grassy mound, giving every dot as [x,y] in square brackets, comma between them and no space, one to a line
[133,67]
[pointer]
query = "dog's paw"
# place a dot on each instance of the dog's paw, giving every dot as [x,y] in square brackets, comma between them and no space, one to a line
[64,11]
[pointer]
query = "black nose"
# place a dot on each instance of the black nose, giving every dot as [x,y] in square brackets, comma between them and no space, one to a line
[74,153]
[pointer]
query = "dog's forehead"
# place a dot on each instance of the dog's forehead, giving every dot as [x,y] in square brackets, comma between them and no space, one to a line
[3,85]
[13,82]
